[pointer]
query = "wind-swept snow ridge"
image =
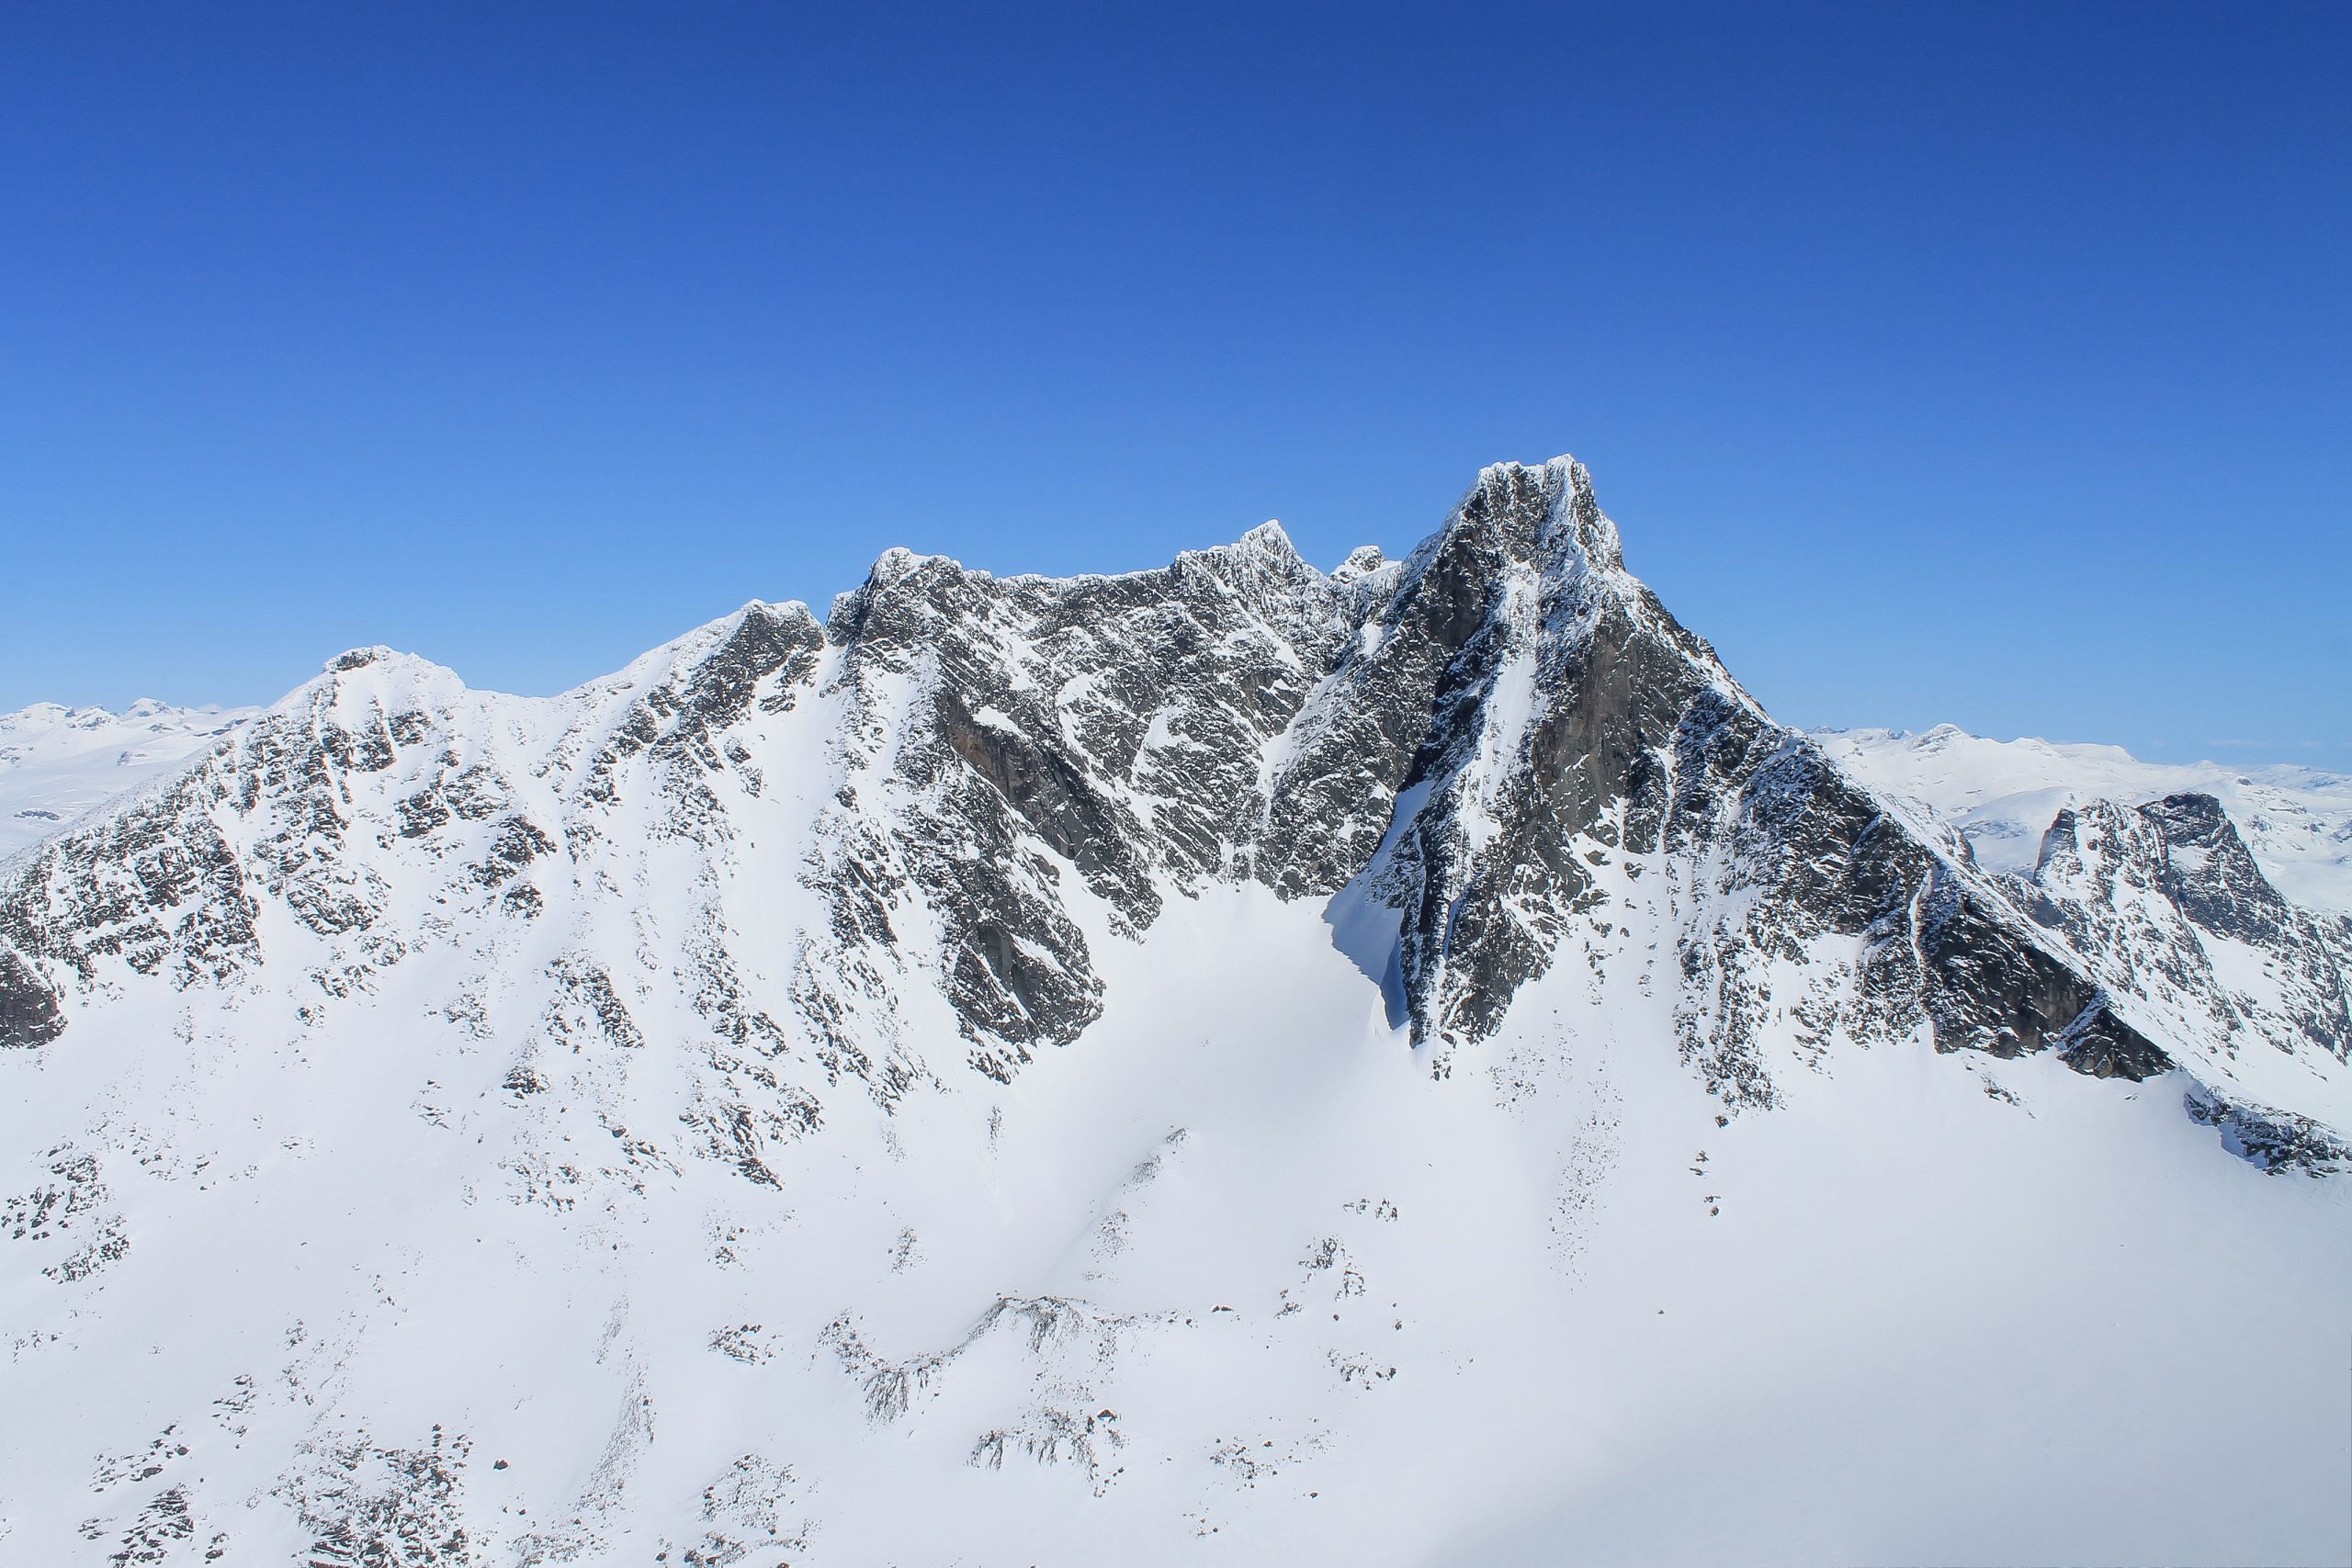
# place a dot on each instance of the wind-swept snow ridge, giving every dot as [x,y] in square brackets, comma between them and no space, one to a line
[1044,1070]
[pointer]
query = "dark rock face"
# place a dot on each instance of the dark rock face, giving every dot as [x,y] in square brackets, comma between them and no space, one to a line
[2163,904]
[682,722]
[1810,854]
[155,886]
[1994,988]
[1050,791]
[2211,875]
[1482,920]
[1108,728]
[1531,713]
[2277,1140]
[28,1013]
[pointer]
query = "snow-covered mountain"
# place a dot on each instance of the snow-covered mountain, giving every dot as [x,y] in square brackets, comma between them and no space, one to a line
[2003,794]
[1226,1063]
[2165,881]
[57,763]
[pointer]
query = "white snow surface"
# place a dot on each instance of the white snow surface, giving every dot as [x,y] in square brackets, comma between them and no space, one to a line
[2004,794]
[1235,1282]
[58,764]
[403,1248]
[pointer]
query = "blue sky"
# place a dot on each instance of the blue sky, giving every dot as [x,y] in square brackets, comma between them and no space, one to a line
[1983,364]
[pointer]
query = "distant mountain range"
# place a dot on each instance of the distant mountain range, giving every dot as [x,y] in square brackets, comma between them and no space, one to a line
[2297,821]
[57,764]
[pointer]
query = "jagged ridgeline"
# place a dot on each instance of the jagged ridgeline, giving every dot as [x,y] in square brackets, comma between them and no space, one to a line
[851,1008]
[1451,747]
[1459,739]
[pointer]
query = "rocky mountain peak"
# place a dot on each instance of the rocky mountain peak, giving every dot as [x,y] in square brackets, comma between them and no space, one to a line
[1271,540]
[1542,512]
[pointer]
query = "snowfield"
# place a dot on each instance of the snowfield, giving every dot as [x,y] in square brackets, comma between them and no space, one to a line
[1230,1065]
[57,764]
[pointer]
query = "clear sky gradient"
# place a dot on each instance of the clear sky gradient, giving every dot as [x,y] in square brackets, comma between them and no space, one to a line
[1980,364]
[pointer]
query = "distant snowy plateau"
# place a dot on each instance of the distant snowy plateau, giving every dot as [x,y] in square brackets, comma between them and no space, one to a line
[1225,1065]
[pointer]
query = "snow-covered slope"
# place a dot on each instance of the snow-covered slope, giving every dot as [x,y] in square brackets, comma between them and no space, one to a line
[2003,794]
[57,763]
[2165,881]
[1229,1064]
